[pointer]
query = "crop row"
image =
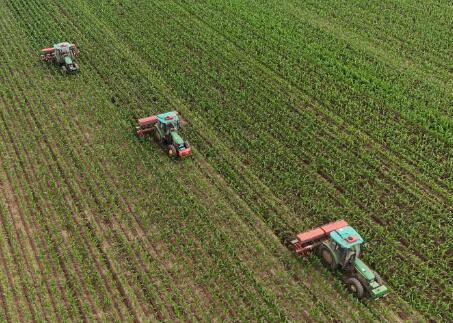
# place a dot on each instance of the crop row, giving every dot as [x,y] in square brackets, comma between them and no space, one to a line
[239,139]
[65,125]
[69,202]
[424,42]
[199,232]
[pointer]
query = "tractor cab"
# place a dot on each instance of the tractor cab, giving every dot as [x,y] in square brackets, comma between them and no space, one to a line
[346,242]
[64,55]
[168,122]
[166,128]
[62,50]
[338,245]
[167,131]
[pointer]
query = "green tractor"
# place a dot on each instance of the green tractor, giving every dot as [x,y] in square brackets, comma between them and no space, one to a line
[62,54]
[338,245]
[166,128]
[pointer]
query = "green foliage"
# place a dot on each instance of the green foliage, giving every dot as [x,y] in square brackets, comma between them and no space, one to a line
[299,113]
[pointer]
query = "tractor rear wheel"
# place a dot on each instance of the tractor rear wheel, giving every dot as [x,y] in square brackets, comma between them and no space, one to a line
[327,257]
[171,150]
[157,135]
[378,278]
[355,286]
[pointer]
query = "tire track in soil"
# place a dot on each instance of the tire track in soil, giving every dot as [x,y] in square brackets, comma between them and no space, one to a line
[54,243]
[106,260]
[11,287]
[14,209]
[68,201]
[129,207]
[78,206]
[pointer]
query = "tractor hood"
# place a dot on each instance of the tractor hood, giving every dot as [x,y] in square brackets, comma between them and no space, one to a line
[376,289]
[378,292]
[363,269]
[67,60]
[177,140]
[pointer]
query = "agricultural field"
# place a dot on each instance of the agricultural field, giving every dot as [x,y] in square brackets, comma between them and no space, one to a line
[299,113]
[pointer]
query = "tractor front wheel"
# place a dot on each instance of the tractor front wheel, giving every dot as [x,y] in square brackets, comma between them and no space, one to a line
[378,278]
[355,286]
[327,257]
[171,150]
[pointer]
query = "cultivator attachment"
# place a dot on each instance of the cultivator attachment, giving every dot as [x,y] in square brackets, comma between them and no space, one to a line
[146,125]
[47,54]
[309,240]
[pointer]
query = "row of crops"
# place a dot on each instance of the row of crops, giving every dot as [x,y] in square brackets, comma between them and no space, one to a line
[293,126]
[121,278]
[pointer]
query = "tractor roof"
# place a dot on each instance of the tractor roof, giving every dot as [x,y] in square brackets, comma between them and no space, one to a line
[346,237]
[62,45]
[167,117]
